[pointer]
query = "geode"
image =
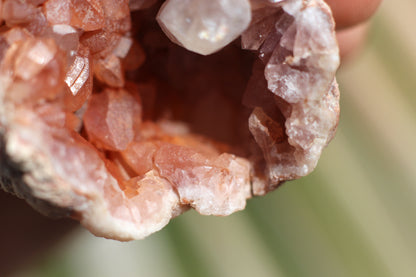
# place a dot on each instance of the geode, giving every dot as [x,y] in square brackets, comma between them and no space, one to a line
[124,114]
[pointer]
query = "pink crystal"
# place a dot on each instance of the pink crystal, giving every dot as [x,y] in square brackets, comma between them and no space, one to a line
[13,35]
[111,119]
[109,71]
[100,42]
[58,12]
[37,65]
[85,14]
[117,15]
[38,23]
[151,203]
[139,156]
[211,185]
[17,12]
[35,55]
[123,130]
[79,81]
[66,36]
[16,34]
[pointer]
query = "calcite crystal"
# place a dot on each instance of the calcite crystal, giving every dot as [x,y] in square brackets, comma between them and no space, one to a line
[204,26]
[105,117]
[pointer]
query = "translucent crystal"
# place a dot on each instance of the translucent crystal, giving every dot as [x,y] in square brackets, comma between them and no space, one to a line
[13,35]
[34,57]
[66,36]
[100,42]
[204,26]
[38,23]
[109,71]
[123,47]
[79,80]
[58,12]
[16,34]
[139,156]
[17,12]
[78,74]
[152,202]
[36,68]
[211,185]
[112,118]
[85,14]
[57,119]
[117,15]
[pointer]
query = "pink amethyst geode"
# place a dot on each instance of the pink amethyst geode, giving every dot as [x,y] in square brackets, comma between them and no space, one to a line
[124,114]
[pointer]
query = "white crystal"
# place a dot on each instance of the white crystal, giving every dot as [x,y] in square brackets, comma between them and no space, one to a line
[123,47]
[65,36]
[77,74]
[204,26]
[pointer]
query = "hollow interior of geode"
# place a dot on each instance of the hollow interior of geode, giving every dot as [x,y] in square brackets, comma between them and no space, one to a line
[195,100]
[213,96]
[204,92]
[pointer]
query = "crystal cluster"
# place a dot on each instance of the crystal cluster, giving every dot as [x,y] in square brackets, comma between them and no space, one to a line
[104,119]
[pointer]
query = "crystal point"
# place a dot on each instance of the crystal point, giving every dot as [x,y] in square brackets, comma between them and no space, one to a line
[111,119]
[203,26]
[78,80]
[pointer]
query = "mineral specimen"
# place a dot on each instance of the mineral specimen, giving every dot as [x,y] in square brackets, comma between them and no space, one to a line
[104,119]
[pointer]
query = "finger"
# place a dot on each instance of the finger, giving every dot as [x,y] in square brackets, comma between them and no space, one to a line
[351,12]
[351,40]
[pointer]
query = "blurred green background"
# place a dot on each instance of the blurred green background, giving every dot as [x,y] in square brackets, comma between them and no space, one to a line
[354,216]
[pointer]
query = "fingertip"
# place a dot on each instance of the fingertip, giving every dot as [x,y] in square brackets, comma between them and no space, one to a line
[352,12]
[352,40]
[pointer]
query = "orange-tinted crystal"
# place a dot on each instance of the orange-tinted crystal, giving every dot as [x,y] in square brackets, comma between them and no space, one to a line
[112,118]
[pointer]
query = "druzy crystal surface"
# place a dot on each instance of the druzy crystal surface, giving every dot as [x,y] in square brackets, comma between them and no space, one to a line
[109,115]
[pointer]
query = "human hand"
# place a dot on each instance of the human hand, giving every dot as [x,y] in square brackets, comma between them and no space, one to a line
[351,19]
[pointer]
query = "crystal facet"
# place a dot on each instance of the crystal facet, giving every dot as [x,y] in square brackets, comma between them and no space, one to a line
[111,119]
